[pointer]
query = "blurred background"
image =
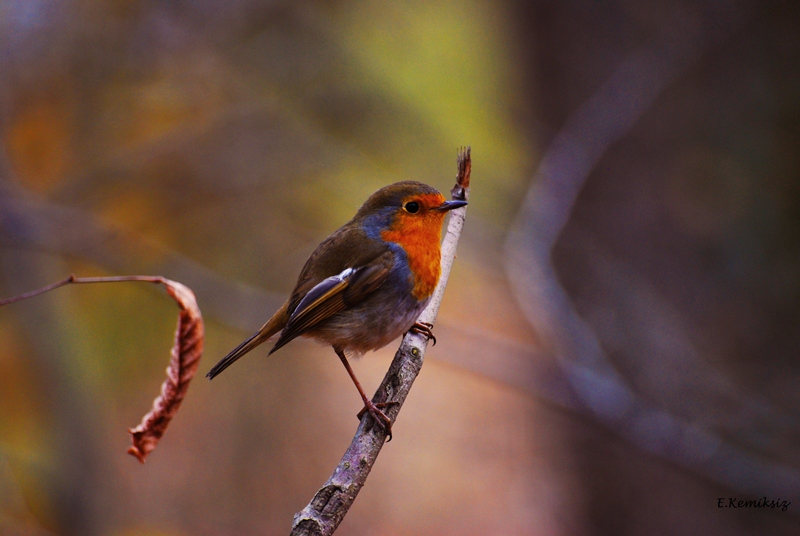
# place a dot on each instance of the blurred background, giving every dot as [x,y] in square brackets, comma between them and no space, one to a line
[618,345]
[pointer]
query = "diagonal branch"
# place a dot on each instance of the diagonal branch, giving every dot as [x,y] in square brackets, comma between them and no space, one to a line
[330,504]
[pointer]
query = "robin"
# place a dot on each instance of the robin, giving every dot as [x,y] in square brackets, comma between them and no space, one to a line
[366,284]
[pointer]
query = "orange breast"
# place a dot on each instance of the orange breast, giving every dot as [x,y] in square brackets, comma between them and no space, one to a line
[419,236]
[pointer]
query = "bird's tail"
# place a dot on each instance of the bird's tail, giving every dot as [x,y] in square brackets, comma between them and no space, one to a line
[273,326]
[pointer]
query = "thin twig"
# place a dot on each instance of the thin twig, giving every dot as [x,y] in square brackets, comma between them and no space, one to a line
[330,504]
[80,280]
[31,294]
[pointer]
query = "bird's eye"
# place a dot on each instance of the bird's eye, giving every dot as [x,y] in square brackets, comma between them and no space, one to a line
[412,207]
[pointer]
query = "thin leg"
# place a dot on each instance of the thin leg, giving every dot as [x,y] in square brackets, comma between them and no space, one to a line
[424,328]
[373,409]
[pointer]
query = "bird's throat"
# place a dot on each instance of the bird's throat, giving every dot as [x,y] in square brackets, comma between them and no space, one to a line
[419,237]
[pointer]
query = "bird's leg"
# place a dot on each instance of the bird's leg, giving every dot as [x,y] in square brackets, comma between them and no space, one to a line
[370,406]
[424,328]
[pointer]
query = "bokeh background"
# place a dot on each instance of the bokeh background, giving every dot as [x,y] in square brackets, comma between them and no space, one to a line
[618,346]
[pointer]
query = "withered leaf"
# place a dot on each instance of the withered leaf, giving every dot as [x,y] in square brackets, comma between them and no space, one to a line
[185,357]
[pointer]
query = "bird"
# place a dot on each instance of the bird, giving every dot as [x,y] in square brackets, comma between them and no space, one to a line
[366,284]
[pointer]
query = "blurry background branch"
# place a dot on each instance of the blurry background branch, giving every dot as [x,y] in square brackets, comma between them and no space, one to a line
[71,405]
[653,333]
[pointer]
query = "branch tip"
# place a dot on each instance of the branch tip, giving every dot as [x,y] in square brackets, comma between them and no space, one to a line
[464,163]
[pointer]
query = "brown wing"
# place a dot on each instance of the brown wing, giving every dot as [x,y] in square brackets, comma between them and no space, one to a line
[334,294]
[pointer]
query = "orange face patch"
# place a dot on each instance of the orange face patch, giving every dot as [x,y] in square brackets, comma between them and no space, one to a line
[419,234]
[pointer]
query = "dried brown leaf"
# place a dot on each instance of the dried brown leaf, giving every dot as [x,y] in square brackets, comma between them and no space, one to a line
[185,357]
[186,353]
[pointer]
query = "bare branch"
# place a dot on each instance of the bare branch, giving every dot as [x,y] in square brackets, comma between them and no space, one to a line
[31,294]
[331,503]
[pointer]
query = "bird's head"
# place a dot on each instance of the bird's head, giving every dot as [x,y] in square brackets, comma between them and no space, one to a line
[406,207]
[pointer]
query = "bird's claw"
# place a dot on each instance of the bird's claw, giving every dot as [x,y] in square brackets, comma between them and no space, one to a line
[380,417]
[424,328]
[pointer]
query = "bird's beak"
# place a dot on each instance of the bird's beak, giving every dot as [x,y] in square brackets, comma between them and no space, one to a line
[450,205]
